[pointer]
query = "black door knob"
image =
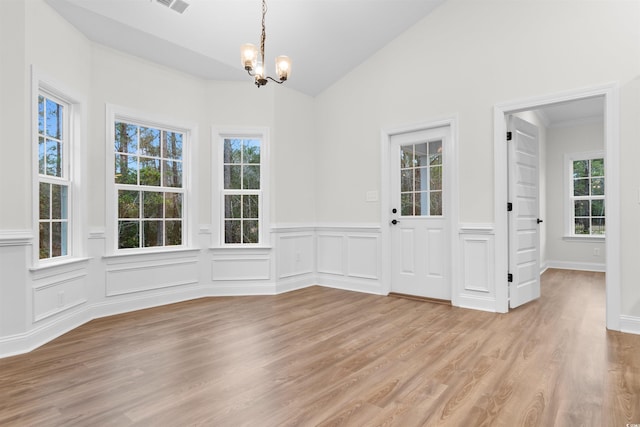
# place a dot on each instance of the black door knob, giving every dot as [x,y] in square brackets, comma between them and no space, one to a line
[539,221]
[394,221]
[394,210]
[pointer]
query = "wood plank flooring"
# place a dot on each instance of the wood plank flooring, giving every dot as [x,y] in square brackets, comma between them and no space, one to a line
[326,357]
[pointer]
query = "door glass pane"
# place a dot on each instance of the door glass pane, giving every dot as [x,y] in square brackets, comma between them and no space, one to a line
[406,156]
[436,178]
[436,203]
[406,201]
[435,152]
[422,204]
[421,179]
[421,155]
[406,180]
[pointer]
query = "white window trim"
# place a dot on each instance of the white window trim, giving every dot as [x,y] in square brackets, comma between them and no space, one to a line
[569,158]
[217,204]
[189,203]
[74,157]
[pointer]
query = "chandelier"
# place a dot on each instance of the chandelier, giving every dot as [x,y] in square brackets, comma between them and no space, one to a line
[254,64]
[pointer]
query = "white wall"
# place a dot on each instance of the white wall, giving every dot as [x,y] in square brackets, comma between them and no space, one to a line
[464,58]
[561,141]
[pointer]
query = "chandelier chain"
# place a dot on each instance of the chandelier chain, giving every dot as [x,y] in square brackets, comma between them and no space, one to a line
[264,33]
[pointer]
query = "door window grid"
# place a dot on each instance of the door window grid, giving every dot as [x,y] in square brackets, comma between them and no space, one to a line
[421,179]
[242,195]
[53,178]
[588,197]
[149,183]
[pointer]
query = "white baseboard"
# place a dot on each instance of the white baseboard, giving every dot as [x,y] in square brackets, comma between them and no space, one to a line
[351,284]
[630,324]
[477,303]
[582,266]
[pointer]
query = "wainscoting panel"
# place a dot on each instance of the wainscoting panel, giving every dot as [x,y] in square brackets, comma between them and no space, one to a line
[363,258]
[330,254]
[295,255]
[349,258]
[60,294]
[131,275]
[241,268]
[476,284]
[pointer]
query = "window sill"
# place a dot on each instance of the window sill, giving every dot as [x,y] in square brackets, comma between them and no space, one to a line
[598,239]
[158,252]
[58,264]
[241,248]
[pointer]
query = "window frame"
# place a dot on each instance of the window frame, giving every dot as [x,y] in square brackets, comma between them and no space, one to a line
[73,160]
[569,217]
[218,212]
[116,114]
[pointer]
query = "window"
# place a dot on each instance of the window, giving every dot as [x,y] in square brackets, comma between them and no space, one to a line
[54,180]
[421,179]
[587,194]
[149,185]
[241,190]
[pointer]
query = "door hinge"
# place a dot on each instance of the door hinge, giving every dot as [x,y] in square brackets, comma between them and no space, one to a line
[509,136]
[509,207]
[509,277]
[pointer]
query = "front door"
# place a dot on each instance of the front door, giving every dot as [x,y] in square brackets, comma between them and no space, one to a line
[419,223]
[524,236]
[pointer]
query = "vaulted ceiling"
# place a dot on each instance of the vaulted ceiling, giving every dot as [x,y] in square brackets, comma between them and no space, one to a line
[325,39]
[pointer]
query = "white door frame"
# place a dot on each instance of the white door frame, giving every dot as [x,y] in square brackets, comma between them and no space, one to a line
[611,95]
[450,176]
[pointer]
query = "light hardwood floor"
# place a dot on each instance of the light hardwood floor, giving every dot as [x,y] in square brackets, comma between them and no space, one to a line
[328,357]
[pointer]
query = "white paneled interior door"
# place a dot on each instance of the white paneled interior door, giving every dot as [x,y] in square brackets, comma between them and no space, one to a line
[420,244]
[524,236]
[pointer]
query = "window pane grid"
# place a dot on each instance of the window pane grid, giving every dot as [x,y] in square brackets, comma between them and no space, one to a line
[53,182]
[587,194]
[421,179]
[241,195]
[149,185]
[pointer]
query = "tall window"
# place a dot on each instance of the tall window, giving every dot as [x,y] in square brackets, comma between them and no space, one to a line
[54,181]
[242,190]
[587,195]
[149,184]
[421,179]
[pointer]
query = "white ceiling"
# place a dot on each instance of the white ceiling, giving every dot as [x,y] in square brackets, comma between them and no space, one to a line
[325,39]
[573,112]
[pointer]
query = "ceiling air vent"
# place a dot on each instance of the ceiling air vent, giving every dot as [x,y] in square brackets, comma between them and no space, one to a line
[178,5]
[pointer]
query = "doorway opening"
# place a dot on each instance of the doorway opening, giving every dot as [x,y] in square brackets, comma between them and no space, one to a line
[606,97]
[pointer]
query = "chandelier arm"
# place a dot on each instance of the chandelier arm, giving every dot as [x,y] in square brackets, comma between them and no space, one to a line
[277,81]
